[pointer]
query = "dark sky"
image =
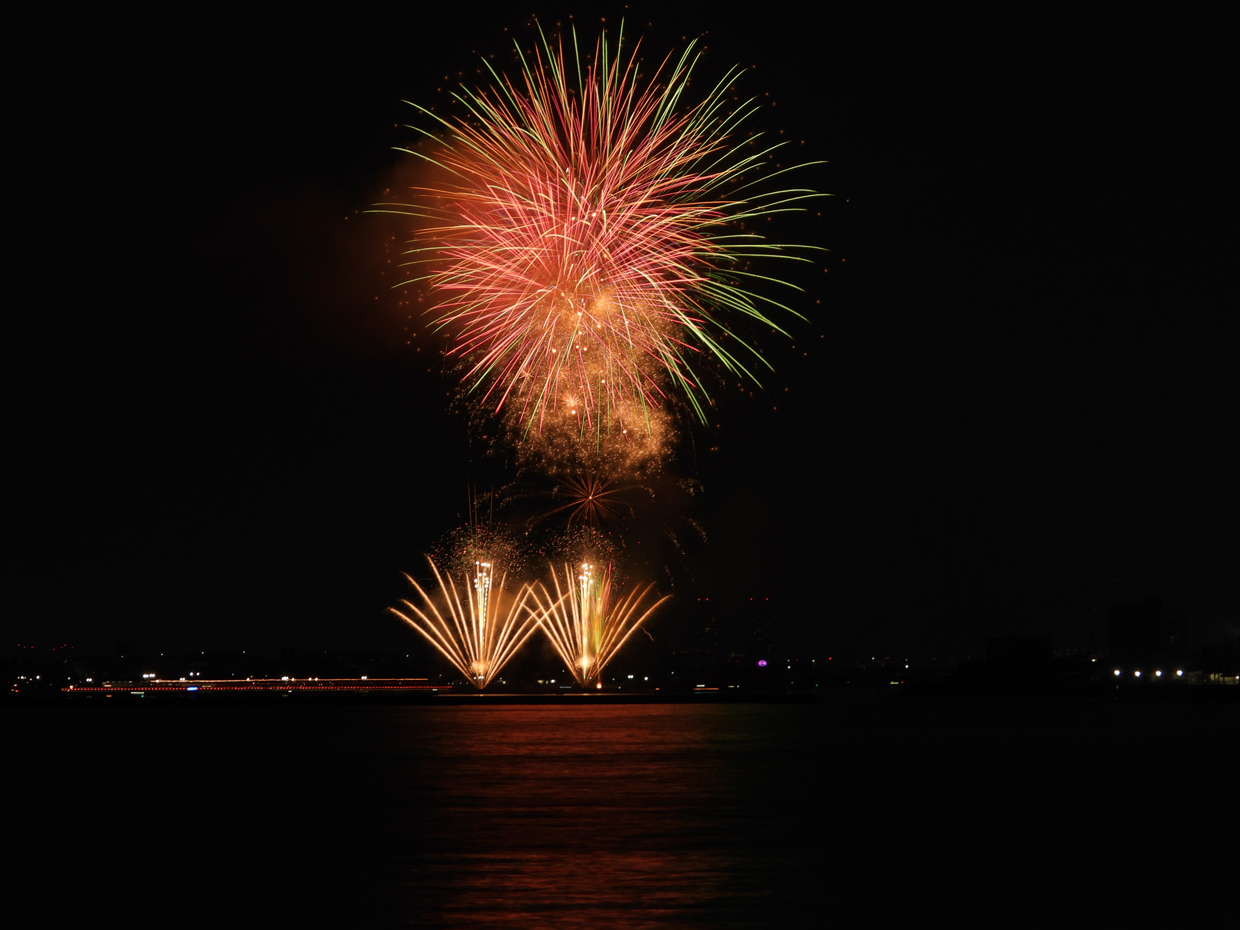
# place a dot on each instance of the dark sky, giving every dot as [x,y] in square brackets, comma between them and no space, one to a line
[1013,404]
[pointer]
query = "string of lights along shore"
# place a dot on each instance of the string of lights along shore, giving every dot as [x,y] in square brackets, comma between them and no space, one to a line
[585,232]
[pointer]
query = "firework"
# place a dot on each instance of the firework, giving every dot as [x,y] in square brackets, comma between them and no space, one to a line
[591,500]
[459,551]
[585,620]
[575,499]
[579,542]
[478,634]
[588,239]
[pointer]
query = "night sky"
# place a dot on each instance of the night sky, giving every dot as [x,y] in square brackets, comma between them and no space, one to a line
[1013,404]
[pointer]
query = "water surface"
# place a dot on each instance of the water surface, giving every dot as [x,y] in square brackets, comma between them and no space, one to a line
[637,816]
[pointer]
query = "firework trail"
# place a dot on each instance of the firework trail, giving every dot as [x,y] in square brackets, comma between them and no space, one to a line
[587,244]
[478,634]
[585,621]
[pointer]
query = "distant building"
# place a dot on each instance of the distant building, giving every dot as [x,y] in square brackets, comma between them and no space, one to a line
[1018,650]
[1137,631]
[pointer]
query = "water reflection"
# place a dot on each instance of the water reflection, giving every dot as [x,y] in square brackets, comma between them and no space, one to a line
[859,808]
[637,816]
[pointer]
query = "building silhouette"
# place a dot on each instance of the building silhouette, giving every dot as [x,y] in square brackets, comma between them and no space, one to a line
[1139,631]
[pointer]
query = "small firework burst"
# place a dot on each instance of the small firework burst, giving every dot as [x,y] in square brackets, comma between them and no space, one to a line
[588,499]
[578,543]
[460,550]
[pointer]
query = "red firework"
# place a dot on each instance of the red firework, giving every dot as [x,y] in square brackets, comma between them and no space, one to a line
[585,245]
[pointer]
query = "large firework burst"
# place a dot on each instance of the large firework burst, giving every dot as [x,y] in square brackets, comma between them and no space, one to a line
[588,239]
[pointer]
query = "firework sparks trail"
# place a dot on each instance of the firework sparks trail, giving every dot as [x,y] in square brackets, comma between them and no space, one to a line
[478,635]
[587,241]
[585,622]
